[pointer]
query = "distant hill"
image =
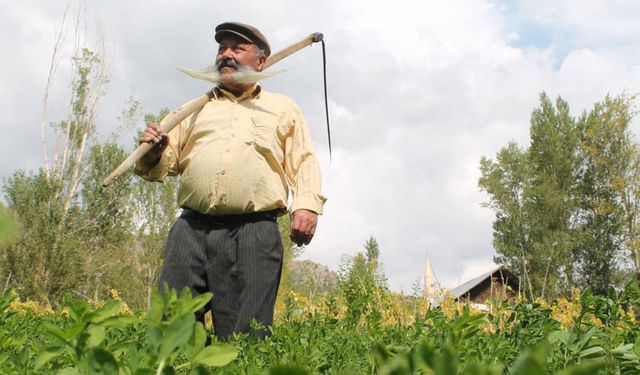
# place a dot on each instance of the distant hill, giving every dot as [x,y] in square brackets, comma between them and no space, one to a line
[312,279]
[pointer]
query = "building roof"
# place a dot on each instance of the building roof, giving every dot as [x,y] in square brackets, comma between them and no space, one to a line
[462,289]
[468,286]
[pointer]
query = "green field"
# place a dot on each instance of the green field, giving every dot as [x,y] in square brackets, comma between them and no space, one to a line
[389,335]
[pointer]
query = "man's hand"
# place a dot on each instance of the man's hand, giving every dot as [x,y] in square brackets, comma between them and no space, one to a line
[153,134]
[303,226]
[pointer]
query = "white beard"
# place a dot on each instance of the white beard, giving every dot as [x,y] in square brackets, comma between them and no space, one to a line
[244,75]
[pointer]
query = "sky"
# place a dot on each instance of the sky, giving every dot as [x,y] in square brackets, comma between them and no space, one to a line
[419,91]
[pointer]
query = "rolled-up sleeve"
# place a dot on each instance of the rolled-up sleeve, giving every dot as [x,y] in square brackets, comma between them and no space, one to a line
[301,166]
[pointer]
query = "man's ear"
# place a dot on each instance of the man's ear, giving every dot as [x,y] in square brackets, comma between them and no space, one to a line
[262,60]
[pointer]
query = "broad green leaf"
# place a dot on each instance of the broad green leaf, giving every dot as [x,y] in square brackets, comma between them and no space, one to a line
[216,355]
[446,363]
[425,356]
[156,310]
[585,337]
[627,357]
[196,303]
[78,311]
[559,337]
[56,332]
[622,348]
[197,341]
[46,355]
[74,330]
[65,334]
[593,352]
[102,362]
[155,337]
[120,346]
[531,362]
[97,335]
[176,335]
[106,311]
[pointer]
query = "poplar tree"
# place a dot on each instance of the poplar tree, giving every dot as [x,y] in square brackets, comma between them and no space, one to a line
[606,170]
[566,206]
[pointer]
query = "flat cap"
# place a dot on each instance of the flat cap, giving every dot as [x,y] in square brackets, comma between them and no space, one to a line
[244,31]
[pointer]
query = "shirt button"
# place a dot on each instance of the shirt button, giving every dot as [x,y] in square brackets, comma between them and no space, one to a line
[223,173]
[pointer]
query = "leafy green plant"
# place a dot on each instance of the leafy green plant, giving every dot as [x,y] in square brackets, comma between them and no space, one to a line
[519,338]
[15,349]
[102,340]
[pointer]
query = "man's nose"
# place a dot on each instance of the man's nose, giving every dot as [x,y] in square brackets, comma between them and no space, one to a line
[227,53]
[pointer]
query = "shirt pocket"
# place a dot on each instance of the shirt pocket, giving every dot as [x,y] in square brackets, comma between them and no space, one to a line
[264,132]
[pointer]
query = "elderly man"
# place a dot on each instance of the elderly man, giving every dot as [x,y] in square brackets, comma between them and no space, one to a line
[238,158]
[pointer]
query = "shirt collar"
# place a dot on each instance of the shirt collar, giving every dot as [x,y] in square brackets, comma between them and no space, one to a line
[252,93]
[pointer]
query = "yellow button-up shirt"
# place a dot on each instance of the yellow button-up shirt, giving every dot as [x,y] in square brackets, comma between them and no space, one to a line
[242,155]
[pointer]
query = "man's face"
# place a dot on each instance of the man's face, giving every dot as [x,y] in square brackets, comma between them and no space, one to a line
[234,52]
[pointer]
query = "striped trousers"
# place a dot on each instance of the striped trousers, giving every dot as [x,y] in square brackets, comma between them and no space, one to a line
[238,260]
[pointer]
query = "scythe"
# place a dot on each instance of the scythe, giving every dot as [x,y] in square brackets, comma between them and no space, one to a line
[192,106]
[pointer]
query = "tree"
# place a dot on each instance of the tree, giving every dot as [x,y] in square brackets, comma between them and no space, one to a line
[311,279]
[552,158]
[8,227]
[606,160]
[72,227]
[37,261]
[506,181]
[631,204]
[65,213]
[566,206]
[362,283]
[372,253]
[156,210]
[107,216]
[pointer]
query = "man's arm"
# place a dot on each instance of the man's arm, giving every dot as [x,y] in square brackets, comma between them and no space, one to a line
[153,134]
[303,171]
[162,159]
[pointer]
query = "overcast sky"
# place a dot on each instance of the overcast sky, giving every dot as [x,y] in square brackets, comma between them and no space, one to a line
[419,91]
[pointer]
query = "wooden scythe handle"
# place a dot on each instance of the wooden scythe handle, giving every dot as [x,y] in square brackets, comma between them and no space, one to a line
[295,47]
[190,107]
